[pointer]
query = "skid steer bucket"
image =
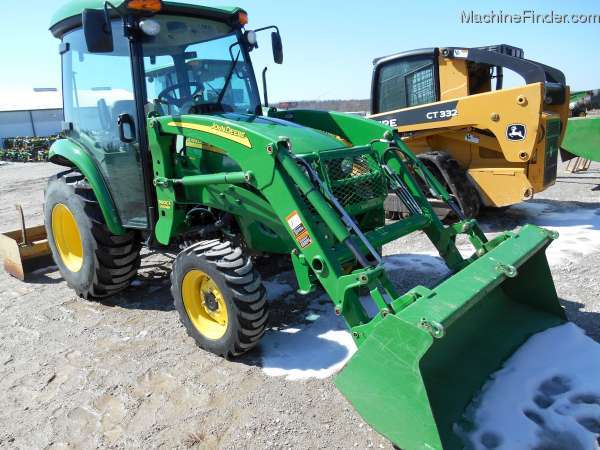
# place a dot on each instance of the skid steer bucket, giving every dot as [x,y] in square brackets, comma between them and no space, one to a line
[413,377]
[24,250]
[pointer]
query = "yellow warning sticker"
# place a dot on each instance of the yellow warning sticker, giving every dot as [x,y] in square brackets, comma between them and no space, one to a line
[164,204]
[299,230]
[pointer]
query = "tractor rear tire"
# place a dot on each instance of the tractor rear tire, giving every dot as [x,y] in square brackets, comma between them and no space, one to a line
[220,297]
[94,262]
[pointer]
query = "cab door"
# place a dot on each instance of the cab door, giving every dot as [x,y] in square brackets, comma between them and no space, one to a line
[100,111]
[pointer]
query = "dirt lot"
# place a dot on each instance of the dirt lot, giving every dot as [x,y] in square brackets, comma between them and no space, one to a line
[77,374]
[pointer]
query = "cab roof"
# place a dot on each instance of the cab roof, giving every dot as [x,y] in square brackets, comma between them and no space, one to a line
[68,16]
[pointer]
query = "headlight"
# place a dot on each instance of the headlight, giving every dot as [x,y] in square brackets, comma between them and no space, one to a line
[150,27]
[251,38]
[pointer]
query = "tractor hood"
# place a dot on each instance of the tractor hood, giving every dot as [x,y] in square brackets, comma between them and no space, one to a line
[242,127]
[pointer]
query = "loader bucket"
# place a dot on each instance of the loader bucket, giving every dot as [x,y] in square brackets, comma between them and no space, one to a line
[413,387]
[24,250]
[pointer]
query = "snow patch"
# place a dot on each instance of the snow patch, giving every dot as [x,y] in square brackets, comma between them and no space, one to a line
[317,349]
[417,264]
[547,395]
[320,345]
[578,228]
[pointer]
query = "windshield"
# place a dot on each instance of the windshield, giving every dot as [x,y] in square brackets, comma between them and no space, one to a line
[196,66]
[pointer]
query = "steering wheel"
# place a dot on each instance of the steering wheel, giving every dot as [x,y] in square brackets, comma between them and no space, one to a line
[167,95]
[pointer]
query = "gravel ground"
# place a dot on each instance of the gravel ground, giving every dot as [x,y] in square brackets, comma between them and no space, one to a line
[78,374]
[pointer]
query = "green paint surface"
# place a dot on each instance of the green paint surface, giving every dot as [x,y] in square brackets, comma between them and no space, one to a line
[582,137]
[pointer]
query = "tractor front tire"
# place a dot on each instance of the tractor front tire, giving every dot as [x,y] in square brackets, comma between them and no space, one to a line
[94,262]
[220,297]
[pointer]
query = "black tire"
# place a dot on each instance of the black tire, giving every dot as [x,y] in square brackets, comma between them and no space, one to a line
[242,290]
[395,213]
[454,178]
[110,262]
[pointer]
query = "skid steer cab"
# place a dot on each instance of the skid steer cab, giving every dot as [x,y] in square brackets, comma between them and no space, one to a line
[491,145]
[166,145]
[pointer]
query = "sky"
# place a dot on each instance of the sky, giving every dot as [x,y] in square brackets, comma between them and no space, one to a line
[329,45]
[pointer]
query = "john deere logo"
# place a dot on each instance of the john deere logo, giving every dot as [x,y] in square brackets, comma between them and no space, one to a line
[516,132]
[224,131]
[228,130]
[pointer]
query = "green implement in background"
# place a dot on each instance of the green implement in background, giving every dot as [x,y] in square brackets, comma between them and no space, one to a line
[582,138]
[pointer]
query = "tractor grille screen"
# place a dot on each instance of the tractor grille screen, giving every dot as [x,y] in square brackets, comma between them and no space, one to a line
[551,157]
[356,180]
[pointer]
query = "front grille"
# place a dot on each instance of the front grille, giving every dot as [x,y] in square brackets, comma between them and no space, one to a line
[355,180]
[551,156]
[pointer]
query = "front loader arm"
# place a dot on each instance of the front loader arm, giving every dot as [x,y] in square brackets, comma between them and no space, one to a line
[321,245]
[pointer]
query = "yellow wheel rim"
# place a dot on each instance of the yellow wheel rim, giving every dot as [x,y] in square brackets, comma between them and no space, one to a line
[204,304]
[67,237]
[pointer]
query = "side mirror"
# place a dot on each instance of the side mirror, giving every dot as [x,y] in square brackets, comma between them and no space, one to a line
[98,31]
[277,47]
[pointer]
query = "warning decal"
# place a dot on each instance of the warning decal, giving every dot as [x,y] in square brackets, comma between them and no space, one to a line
[300,233]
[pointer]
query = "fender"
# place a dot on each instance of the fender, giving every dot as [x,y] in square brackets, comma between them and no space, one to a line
[66,152]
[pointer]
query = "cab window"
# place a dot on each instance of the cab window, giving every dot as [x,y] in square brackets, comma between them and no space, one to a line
[406,82]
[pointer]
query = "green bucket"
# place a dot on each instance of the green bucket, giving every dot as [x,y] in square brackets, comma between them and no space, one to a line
[413,387]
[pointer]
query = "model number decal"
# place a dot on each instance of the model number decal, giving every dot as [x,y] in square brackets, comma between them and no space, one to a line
[165,204]
[443,114]
[423,114]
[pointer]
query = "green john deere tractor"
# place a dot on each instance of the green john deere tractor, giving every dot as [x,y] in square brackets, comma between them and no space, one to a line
[198,165]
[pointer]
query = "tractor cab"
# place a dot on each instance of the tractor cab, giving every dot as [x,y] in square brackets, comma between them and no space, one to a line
[124,63]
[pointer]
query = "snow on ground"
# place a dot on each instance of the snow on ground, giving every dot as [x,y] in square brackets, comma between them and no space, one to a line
[578,228]
[316,349]
[546,396]
[321,345]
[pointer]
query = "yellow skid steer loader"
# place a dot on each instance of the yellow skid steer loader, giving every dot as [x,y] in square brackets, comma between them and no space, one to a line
[492,146]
